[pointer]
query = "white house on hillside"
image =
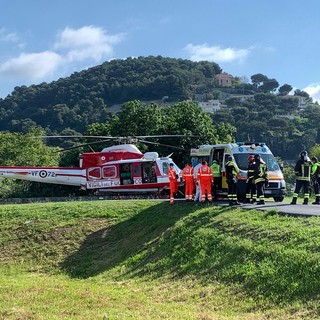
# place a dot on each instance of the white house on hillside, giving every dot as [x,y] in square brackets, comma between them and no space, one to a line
[210,106]
[302,101]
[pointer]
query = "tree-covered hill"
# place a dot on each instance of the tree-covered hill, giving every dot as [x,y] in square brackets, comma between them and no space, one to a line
[84,97]
[274,119]
[260,110]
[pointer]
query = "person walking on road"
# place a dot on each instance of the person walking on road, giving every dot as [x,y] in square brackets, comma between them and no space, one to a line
[303,172]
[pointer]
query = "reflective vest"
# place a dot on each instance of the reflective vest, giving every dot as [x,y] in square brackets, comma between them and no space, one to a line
[231,169]
[204,173]
[260,172]
[216,169]
[315,169]
[250,172]
[187,173]
[303,170]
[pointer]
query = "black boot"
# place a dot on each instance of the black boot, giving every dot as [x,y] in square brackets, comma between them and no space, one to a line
[294,201]
[317,201]
[260,202]
[305,201]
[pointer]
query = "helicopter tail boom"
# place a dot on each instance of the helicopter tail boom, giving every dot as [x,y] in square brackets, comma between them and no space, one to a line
[64,176]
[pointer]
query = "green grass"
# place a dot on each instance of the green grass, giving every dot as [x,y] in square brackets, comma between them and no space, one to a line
[149,260]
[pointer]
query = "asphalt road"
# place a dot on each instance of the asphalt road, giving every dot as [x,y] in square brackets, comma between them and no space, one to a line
[281,207]
[287,208]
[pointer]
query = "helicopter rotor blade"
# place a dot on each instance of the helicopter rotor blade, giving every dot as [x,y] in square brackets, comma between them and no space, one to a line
[118,137]
[167,136]
[78,137]
[161,136]
[161,144]
[82,145]
[128,139]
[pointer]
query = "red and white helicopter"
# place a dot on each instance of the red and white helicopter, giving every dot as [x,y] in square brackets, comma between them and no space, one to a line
[119,169]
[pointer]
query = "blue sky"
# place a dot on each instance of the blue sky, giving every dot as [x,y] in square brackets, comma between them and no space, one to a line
[42,40]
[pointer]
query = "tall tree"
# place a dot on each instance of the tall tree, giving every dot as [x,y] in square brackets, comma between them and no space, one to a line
[26,149]
[285,89]
[185,119]
[18,149]
[137,118]
[269,85]
[258,79]
[301,93]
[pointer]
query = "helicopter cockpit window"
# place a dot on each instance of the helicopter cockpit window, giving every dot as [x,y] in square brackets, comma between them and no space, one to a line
[94,173]
[109,172]
[165,167]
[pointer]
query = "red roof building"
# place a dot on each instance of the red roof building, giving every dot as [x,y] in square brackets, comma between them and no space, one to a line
[224,79]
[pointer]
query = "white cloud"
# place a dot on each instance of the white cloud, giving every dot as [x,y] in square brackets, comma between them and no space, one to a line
[270,49]
[314,91]
[216,53]
[8,37]
[259,47]
[33,66]
[88,42]
[72,47]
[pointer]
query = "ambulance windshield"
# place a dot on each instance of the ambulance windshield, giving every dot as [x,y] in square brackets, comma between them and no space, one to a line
[242,161]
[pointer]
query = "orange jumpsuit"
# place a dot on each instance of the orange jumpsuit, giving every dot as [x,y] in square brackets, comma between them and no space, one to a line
[187,177]
[173,183]
[205,177]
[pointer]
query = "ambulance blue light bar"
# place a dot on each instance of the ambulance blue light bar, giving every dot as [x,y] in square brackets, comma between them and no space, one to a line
[257,144]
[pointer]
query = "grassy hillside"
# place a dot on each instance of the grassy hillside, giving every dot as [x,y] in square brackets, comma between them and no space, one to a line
[149,260]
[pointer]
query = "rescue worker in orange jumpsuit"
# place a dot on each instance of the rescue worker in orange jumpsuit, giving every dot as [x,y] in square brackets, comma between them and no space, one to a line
[187,178]
[173,179]
[205,177]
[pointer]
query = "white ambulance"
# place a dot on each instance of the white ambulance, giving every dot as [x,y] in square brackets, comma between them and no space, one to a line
[240,152]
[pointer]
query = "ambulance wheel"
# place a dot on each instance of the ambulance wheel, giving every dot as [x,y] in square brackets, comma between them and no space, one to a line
[278,199]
